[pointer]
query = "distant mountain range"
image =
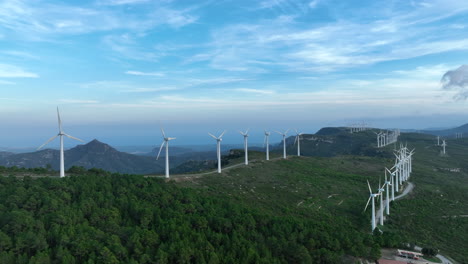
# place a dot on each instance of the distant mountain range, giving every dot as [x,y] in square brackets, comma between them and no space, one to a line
[449,133]
[94,154]
[327,142]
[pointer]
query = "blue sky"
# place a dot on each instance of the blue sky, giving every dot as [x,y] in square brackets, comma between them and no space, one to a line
[119,68]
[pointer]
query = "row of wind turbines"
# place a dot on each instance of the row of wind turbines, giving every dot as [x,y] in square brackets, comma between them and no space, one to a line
[358,127]
[166,140]
[245,134]
[399,173]
[387,137]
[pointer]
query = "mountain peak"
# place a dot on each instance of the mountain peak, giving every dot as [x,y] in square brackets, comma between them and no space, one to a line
[95,146]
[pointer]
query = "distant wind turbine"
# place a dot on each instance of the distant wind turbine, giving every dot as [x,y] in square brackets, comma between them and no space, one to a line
[60,134]
[298,140]
[267,144]
[165,142]
[246,149]
[284,142]
[218,148]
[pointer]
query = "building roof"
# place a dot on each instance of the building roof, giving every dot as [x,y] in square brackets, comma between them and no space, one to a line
[389,261]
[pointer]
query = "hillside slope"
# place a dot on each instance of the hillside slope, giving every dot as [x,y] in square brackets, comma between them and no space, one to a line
[94,154]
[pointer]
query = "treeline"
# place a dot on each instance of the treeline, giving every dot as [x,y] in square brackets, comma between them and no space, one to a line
[111,218]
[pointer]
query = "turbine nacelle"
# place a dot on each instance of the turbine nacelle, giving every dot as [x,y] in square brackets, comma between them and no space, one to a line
[246,133]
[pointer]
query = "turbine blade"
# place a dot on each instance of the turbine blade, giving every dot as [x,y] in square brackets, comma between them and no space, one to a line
[286,131]
[59,120]
[170,138]
[72,137]
[279,132]
[212,136]
[162,131]
[220,136]
[367,204]
[295,140]
[162,145]
[47,142]
[242,133]
[370,190]
[247,131]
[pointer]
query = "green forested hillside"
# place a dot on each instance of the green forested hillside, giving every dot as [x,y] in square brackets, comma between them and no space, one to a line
[131,219]
[436,213]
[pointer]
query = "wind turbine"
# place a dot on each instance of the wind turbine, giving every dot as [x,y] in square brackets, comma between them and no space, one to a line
[443,144]
[218,148]
[267,144]
[378,139]
[298,140]
[60,134]
[246,135]
[387,183]
[381,190]
[371,197]
[392,175]
[284,142]
[166,142]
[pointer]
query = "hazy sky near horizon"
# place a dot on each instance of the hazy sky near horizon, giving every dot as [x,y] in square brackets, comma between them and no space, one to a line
[119,68]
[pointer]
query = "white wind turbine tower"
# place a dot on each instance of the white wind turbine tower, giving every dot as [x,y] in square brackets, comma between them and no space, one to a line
[60,134]
[298,140]
[165,142]
[381,190]
[378,139]
[438,144]
[284,142]
[267,144]
[218,148]
[371,197]
[443,145]
[246,135]
[387,183]
[392,180]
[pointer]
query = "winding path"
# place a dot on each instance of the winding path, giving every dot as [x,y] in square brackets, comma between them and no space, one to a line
[409,188]
[196,175]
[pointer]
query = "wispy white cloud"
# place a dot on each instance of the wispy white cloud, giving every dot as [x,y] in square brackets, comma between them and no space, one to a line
[139,73]
[122,2]
[292,46]
[148,90]
[76,101]
[11,71]
[254,91]
[40,20]
[124,87]
[20,54]
[221,80]
[314,3]
[127,46]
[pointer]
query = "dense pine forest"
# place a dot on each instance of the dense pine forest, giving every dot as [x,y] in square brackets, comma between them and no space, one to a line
[102,218]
